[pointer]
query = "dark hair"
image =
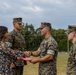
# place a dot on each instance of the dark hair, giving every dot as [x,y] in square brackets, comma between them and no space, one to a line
[3,30]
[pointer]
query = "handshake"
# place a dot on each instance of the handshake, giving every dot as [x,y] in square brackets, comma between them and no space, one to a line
[27,57]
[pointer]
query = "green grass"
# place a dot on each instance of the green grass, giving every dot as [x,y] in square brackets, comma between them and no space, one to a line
[62,63]
[32,69]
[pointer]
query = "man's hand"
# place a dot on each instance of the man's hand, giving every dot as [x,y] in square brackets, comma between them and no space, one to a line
[34,61]
[27,54]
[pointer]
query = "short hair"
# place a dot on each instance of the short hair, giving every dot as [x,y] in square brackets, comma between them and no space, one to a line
[3,30]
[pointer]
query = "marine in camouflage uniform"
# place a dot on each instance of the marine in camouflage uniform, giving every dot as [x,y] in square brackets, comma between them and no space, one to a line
[18,42]
[48,47]
[48,68]
[71,65]
[6,54]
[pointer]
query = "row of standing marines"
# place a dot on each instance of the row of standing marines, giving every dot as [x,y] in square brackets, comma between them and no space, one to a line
[15,44]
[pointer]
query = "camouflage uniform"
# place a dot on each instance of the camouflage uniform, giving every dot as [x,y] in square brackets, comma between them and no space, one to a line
[48,46]
[17,42]
[71,66]
[6,54]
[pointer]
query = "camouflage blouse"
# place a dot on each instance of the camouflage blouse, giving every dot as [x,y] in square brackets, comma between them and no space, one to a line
[6,55]
[17,41]
[71,65]
[48,46]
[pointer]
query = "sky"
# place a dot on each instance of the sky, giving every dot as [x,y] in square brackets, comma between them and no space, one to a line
[60,13]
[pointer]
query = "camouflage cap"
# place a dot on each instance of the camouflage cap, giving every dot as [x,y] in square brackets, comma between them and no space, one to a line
[19,20]
[71,29]
[45,24]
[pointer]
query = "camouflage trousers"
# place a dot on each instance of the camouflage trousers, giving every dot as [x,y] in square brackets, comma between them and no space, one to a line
[71,73]
[18,70]
[47,71]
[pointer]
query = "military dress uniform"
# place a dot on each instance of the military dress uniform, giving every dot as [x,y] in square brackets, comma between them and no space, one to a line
[18,42]
[48,46]
[71,66]
[6,54]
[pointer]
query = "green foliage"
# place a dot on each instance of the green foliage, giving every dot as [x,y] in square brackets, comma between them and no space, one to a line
[61,38]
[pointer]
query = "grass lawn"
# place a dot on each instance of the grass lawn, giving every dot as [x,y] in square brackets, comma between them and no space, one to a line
[32,69]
